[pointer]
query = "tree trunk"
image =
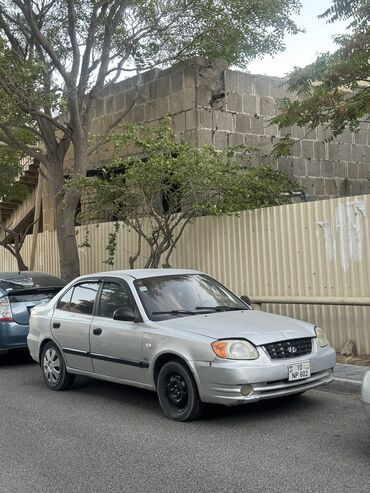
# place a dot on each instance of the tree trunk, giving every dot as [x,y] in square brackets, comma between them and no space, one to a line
[66,235]
[20,262]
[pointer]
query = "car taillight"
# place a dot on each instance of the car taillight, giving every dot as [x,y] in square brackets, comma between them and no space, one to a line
[5,310]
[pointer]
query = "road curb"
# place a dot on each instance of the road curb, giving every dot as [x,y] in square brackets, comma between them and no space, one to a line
[343,386]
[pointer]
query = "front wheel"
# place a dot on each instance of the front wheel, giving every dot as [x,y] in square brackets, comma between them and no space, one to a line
[178,393]
[54,368]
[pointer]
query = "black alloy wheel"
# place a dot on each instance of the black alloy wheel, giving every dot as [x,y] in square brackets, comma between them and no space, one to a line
[178,393]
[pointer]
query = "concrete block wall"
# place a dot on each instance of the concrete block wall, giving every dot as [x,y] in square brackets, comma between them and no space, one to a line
[326,169]
[210,104]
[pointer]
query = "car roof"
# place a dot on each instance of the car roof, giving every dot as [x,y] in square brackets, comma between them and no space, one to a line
[142,273]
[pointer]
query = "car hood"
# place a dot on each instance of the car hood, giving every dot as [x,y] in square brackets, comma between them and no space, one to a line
[256,326]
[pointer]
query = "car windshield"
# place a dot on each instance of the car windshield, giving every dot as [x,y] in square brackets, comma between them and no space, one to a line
[185,295]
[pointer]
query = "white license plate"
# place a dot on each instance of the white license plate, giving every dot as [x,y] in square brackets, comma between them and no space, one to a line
[298,371]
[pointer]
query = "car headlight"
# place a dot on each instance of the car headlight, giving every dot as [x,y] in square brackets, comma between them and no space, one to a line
[234,349]
[321,337]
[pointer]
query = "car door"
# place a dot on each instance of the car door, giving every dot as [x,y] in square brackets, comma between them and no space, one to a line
[71,322]
[116,346]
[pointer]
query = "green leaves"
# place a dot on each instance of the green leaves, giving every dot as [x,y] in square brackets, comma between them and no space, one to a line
[335,89]
[166,181]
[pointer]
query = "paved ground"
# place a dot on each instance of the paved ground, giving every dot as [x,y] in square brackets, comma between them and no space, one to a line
[100,437]
[348,379]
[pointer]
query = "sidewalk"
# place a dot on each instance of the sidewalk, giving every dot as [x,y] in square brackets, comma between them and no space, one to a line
[348,379]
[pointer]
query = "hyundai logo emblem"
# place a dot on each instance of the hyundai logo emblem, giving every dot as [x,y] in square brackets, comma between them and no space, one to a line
[292,349]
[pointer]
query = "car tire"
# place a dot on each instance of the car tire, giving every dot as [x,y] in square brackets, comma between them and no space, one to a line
[54,369]
[178,393]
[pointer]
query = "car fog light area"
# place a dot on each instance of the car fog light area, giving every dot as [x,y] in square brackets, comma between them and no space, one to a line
[234,349]
[246,389]
[321,337]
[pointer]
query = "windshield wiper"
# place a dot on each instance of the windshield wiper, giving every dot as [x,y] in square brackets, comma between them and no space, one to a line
[175,312]
[220,308]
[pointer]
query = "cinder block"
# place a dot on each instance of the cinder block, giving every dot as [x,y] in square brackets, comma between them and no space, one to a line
[257,125]
[205,137]
[177,81]
[243,123]
[100,108]
[191,120]
[109,105]
[352,171]
[307,149]
[179,122]
[119,102]
[163,107]
[234,102]
[231,81]
[267,106]
[319,187]
[188,100]
[236,139]
[271,130]
[279,88]
[151,110]
[333,151]
[358,153]
[189,77]
[175,102]
[361,137]
[262,85]
[250,105]
[364,171]
[340,169]
[221,140]
[153,90]
[203,96]
[297,132]
[163,87]
[345,152]
[319,150]
[331,188]
[327,169]
[206,118]
[245,83]
[139,114]
[299,167]
[286,164]
[313,167]
[223,120]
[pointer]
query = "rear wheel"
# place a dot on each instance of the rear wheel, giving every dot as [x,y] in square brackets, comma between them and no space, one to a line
[178,393]
[54,368]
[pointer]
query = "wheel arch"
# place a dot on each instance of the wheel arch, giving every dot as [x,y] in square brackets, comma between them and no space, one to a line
[164,358]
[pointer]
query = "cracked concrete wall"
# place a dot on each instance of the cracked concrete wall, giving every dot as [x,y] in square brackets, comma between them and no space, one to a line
[212,105]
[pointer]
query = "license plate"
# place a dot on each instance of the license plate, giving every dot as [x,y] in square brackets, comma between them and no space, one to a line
[298,371]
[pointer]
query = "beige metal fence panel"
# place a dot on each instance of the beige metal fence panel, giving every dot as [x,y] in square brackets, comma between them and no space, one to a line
[311,249]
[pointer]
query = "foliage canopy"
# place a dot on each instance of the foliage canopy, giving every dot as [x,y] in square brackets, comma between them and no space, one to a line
[335,89]
[168,181]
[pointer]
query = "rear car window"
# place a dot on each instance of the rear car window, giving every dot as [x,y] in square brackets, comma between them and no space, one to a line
[13,281]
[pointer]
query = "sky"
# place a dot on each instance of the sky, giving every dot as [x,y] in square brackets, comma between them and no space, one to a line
[302,49]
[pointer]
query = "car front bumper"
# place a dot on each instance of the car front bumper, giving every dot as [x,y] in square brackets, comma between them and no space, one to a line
[365,395]
[221,381]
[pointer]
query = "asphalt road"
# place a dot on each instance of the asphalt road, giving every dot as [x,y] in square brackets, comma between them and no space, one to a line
[101,437]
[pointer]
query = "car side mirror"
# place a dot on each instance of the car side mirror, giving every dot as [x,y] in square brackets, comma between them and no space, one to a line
[125,314]
[246,299]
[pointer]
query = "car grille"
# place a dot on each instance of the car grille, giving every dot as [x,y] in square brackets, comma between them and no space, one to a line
[289,349]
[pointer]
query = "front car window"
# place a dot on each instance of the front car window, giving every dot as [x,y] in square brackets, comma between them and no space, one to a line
[113,296]
[183,295]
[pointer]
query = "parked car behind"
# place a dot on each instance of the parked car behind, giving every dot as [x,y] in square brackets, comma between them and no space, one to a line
[365,395]
[19,293]
[180,333]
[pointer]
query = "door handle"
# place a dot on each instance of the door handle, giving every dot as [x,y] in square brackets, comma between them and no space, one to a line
[97,332]
[56,325]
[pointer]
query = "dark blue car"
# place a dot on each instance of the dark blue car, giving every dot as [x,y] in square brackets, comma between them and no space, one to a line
[19,293]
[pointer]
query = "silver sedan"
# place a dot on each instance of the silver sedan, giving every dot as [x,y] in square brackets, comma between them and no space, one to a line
[365,395]
[179,333]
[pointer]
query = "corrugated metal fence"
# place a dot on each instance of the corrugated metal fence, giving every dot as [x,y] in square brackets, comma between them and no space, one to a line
[311,249]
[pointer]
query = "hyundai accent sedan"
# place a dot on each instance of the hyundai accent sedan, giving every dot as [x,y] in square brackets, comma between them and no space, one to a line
[179,333]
